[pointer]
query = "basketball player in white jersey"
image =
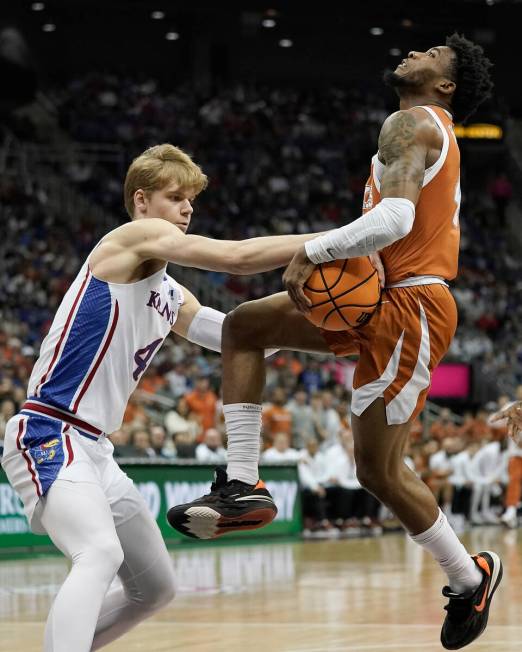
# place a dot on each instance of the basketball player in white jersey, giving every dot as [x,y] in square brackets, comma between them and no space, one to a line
[112,320]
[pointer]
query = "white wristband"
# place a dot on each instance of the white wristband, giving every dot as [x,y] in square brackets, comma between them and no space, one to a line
[390,220]
[205,329]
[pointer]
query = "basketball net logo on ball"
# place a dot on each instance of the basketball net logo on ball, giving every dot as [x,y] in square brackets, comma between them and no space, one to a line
[344,294]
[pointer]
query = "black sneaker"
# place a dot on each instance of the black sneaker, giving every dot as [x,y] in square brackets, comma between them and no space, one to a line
[230,506]
[468,613]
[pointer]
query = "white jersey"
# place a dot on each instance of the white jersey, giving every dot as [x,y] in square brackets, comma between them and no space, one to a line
[102,339]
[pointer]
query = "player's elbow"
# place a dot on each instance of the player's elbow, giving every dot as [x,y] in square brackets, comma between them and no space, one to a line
[399,216]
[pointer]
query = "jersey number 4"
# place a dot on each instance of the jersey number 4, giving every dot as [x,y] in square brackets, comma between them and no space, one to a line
[142,357]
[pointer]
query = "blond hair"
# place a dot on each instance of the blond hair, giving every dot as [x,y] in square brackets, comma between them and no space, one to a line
[157,167]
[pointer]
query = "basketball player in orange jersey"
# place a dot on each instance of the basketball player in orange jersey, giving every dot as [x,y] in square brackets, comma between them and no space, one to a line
[411,215]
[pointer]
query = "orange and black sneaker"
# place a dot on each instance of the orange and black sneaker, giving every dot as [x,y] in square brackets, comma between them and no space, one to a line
[230,506]
[468,613]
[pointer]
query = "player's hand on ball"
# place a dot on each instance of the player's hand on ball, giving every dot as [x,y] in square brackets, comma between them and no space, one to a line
[376,261]
[512,414]
[294,278]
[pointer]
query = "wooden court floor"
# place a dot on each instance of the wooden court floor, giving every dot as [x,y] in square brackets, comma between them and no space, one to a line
[364,595]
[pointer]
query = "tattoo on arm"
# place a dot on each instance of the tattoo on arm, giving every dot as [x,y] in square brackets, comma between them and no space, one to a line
[404,154]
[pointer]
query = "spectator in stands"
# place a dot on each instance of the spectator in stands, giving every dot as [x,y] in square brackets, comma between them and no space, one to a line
[312,472]
[178,381]
[203,402]
[326,420]
[443,427]
[281,450]
[159,442]
[311,377]
[343,411]
[350,506]
[121,440]
[182,420]
[514,488]
[140,442]
[460,456]
[488,473]
[302,423]
[276,417]
[441,469]
[135,413]
[211,450]
[7,410]
[185,445]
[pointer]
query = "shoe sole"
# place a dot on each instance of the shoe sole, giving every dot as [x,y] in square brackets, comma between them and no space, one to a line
[201,522]
[498,572]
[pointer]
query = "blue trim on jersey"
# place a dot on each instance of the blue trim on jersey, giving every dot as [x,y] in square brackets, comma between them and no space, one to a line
[43,439]
[85,336]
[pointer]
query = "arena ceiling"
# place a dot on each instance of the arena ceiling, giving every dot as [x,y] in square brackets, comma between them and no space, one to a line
[305,43]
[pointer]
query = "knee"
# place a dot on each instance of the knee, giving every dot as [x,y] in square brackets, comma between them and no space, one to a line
[165,591]
[159,590]
[106,556]
[244,326]
[376,477]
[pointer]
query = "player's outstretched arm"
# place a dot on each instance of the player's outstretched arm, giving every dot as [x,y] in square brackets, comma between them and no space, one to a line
[404,143]
[157,239]
[167,242]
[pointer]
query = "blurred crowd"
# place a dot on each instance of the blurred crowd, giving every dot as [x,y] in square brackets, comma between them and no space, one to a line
[279,161]
[471,466]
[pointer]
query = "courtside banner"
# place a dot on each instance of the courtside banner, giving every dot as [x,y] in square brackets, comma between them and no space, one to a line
[163,485]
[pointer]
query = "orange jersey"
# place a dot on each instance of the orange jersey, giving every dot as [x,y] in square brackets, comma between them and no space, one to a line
[432,246]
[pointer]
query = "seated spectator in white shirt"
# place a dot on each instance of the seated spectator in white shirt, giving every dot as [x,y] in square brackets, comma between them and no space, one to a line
[488,473]
[312,473]
[348,501]
[302,419]
[211,450]
[441,469]
[281,451]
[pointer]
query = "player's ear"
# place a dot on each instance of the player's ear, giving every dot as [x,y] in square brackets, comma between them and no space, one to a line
[446,86]
[140,200]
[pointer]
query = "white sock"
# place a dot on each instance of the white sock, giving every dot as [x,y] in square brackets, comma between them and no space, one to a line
[442,542]
[510,512]
[243,425]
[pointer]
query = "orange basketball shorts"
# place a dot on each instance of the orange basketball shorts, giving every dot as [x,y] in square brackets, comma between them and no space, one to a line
[406,338]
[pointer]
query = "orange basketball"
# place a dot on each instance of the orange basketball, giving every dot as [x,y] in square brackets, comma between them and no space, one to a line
[344,294]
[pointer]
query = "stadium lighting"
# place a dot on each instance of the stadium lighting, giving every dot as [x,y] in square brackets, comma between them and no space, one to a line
[395,52]
[376,31]
[407,22]
[38,6]
[286,43]
[157,15]
[172,36]
[490,3]
[268,23]
[49,27]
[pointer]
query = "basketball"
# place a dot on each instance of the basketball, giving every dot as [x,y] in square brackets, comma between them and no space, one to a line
[344,294]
